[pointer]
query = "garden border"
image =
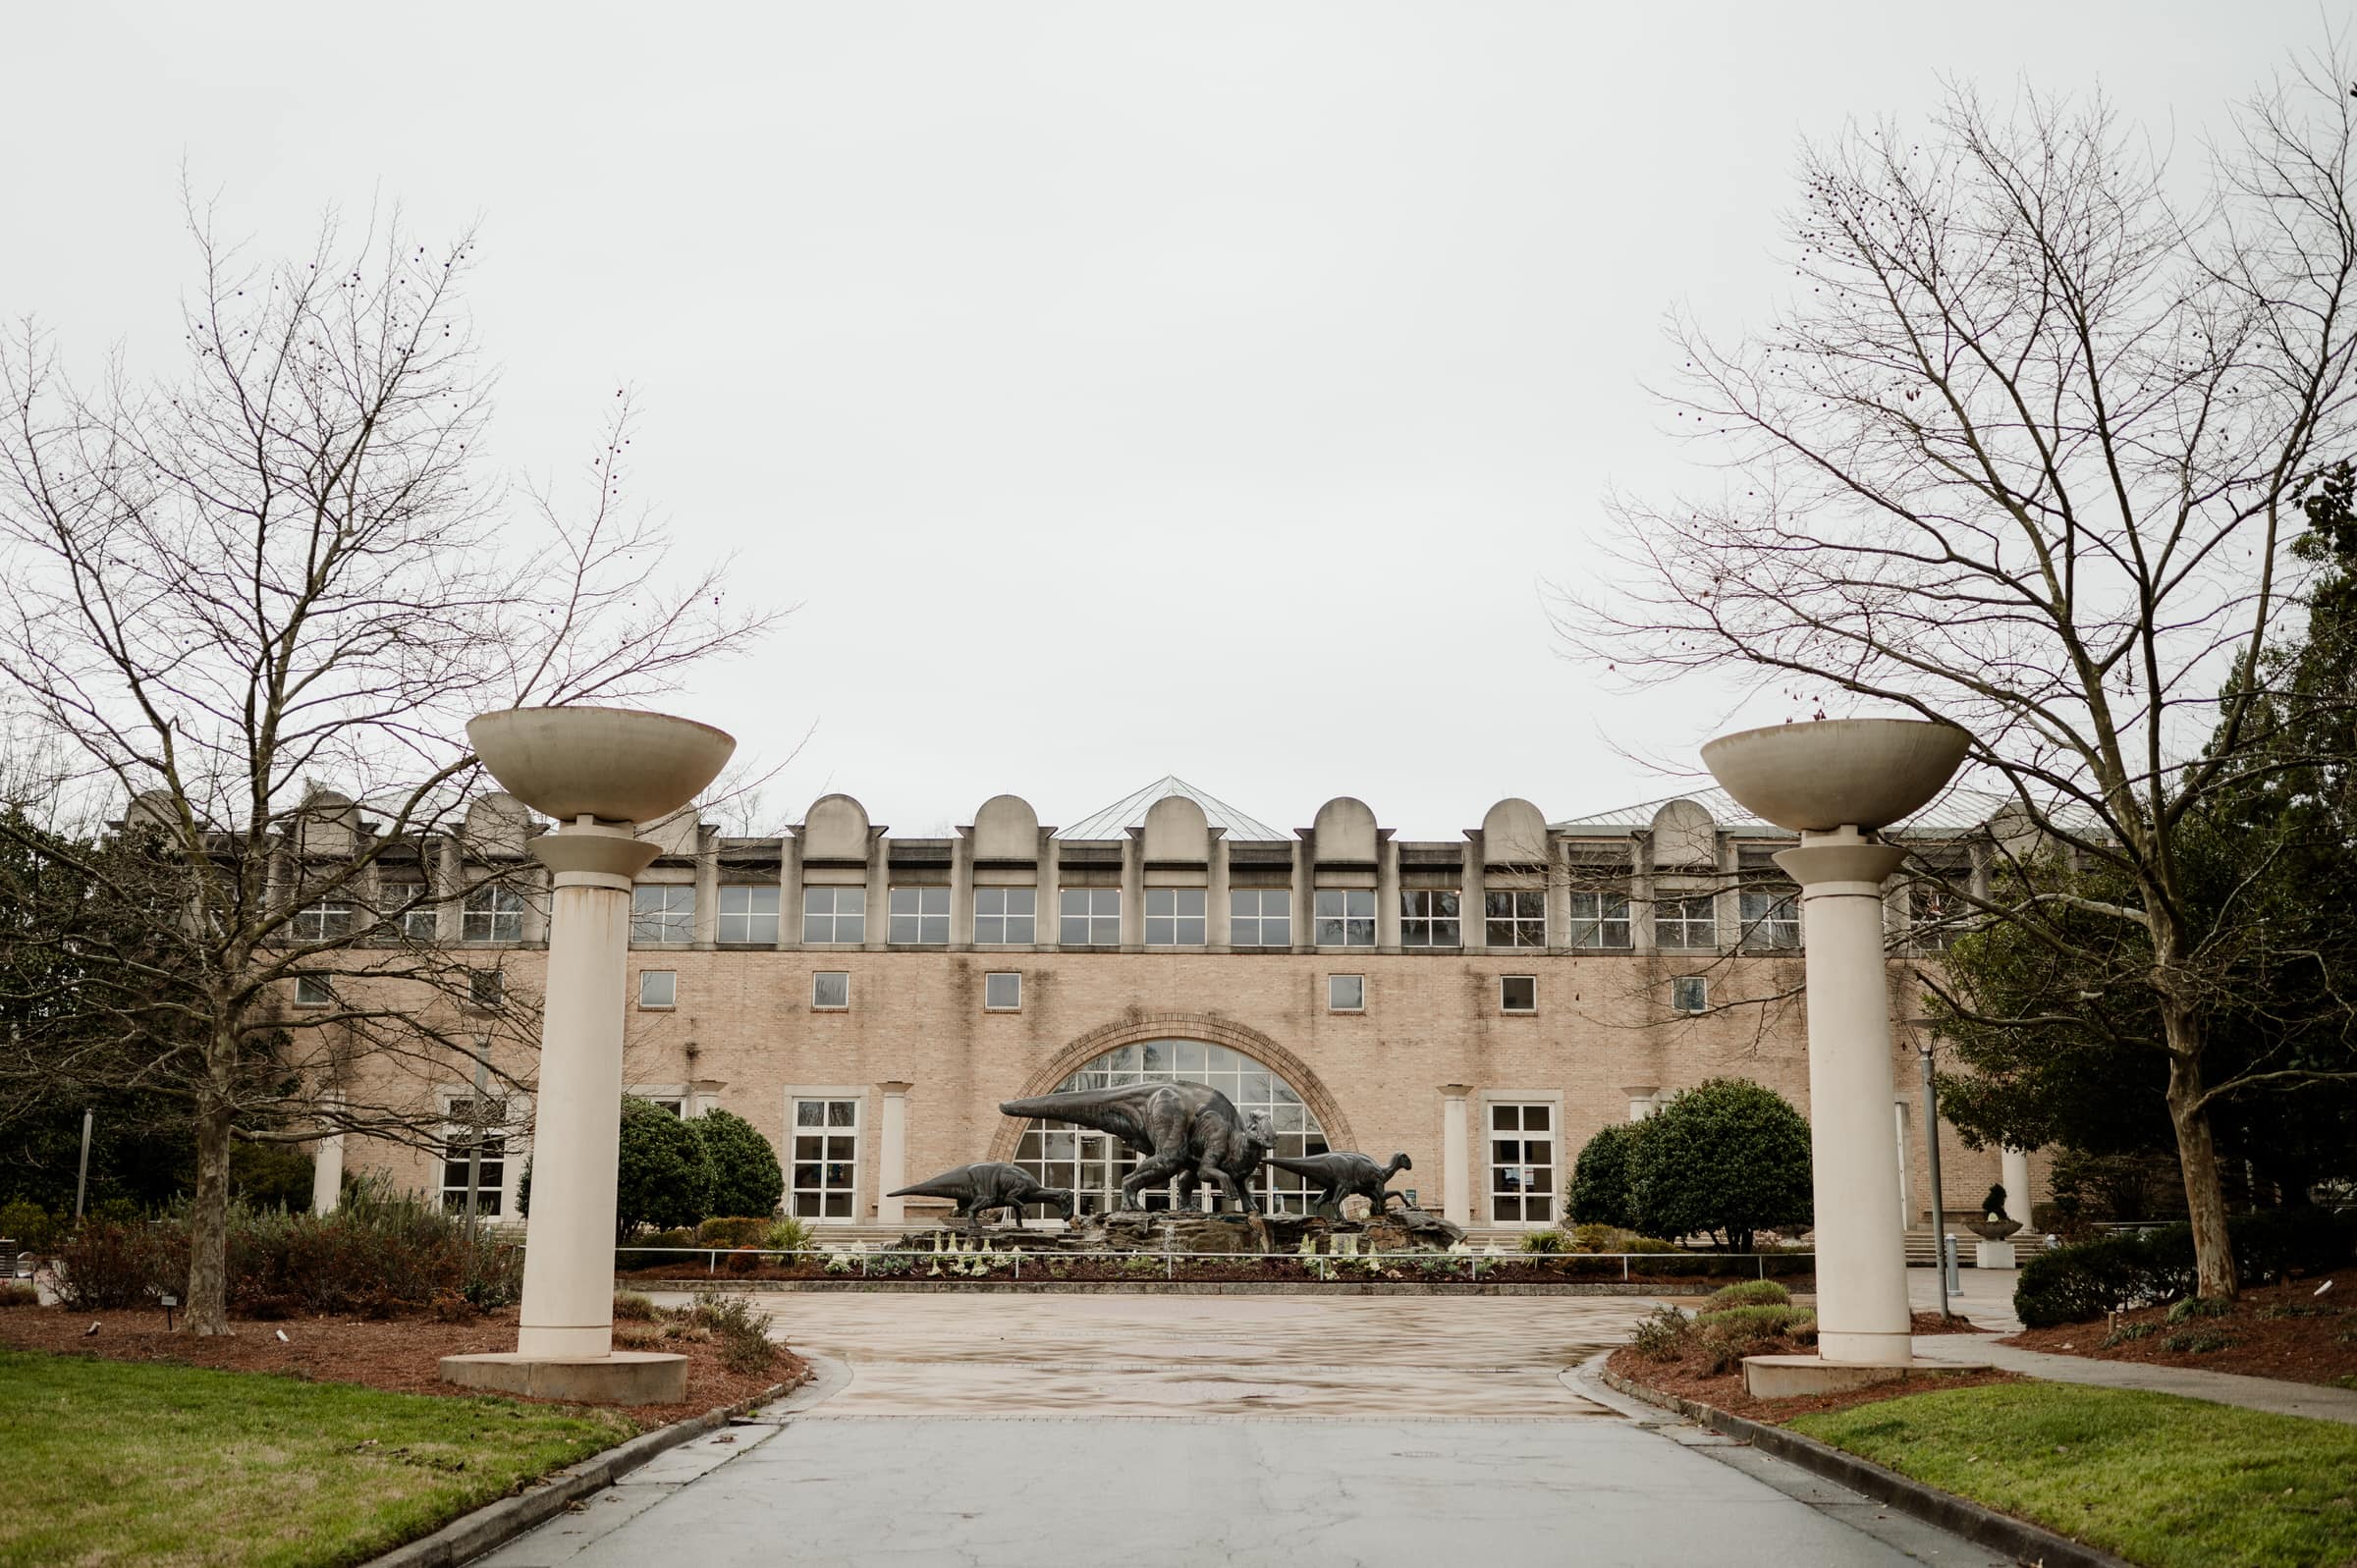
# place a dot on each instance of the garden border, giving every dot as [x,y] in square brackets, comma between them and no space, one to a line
[1977,1523]
[725,1285]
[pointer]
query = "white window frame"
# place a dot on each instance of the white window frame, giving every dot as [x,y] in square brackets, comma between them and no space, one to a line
[1486,1214]
[748,919]
[996,927]
[493,980]
[491,914]
[322,920]
[835,896]
[313,990]
[1601,920]
[1336,984]
[1259,919]
[790,1154]
[677,1097]
[817,1006]
[670,989]
[1764,929]
[1681,987]
[1518,1012]
[1176,917]
[659,908]
[1356,929]
[1686,922]
[990,981]
[1929,929]
[1100,917]
[916,916]
[412,922]
[1524,922]
[506,1132]
[1421,922]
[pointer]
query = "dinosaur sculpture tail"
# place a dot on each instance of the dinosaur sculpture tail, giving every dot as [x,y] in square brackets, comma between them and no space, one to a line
[929,1189]
[1299,1167]
[1063,1106]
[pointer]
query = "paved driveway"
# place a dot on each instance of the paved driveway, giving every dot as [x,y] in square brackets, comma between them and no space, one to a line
[1152,1431]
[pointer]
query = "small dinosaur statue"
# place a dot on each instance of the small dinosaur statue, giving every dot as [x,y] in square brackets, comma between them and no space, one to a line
[1344,1173]
[990,1184]
[1189,1131]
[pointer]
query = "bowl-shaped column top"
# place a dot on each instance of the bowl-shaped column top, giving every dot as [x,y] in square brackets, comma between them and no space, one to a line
[614,764]
[1836,773]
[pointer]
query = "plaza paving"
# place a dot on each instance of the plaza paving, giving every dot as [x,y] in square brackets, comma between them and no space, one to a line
[1044,1429]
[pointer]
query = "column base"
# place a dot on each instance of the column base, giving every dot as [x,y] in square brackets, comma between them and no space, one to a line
[1797,1377]
[625,1378]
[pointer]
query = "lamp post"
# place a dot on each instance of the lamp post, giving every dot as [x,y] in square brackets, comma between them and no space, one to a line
[1930,1138]
[1835,782]
[600,772]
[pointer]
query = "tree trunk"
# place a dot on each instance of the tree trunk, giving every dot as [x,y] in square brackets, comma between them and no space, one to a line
[209,1224]
[2197,1158]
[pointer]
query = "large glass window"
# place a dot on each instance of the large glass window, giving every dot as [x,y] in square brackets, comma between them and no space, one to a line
[1004,916]
[826,1159]
[662,913]
[921,917]
[1515,918]
[1091,917]
[1599,920]
[1174,917]
[1522,1164]
[1770,918]
[1346,917]
[1093,1164]
[403,906]
[323,920]
[492,914]
[1934,917]
[1428,918]
[1260,917]
[837,915]
[1686,922]
[749,914]
[475,1143]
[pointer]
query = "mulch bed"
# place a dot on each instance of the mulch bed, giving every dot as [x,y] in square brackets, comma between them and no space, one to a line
[2285,1330]
[399,1354]
[1726,1390]
[1931,1323]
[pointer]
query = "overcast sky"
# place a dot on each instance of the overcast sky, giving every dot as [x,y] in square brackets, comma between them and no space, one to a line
[1119,389]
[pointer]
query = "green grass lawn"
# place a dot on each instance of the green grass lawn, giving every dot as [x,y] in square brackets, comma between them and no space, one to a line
[118,1462]
[2156,1479]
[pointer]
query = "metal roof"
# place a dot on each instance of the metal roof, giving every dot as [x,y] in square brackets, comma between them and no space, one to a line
[1130,812]
[1958,810]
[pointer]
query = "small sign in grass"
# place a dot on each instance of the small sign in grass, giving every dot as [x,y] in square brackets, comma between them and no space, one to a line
[2162,1480]
[114,1462]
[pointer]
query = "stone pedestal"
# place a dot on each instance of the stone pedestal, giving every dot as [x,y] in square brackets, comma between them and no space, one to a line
[1796,1377]
[1994,1255]
[621,1377]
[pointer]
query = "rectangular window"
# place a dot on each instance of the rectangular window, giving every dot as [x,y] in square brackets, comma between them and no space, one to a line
[1771,919]
[1003,992]
[1932,918]
[1174,917]
[662,913]
[488,988]
[1514,919]
[1260,917]
[1091,917]
[825,1167]
[324,920]
[1346,917]
[1600,920]
[1690,993]
[837,915]
[1691,923]
[749,914]
[657,987]
[403,906]
[492,914]
[475,1129]
[920,917]
[313,990]
[1005,916]
[830,990]
[1345,993]
[1428,918]
[1522,1164]
[1519,992]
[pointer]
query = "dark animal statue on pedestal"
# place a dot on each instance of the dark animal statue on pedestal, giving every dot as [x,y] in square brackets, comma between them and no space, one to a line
[989,1185]
[1344,1173]
[1189,1131]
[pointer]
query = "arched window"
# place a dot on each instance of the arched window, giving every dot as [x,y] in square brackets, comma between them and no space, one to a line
[1093,1164]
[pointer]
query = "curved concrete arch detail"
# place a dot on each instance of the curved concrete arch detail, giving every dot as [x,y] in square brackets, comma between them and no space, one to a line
[1085,1050]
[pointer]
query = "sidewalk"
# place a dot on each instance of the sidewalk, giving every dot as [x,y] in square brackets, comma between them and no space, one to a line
[2274,1394]
[1986,1296]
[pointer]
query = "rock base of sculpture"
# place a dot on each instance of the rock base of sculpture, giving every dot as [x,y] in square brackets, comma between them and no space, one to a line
[1159,1232]
[625,1378]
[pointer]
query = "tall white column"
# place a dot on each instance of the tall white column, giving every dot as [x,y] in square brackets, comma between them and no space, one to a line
[892,1155]
[327,1169]
[1457,1162]
[1861,1259]
[2013,1169]
[569,1253]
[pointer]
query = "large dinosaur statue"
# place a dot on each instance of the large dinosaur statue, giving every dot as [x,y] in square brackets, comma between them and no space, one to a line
[1186,1130]
[988,1185]
[1344,1173]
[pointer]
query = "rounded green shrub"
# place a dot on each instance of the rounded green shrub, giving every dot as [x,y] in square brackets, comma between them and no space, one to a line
[1600,1192]
[1728,1157]
[745,1177]
[663,1176]
[744,1230]
[1748,1293]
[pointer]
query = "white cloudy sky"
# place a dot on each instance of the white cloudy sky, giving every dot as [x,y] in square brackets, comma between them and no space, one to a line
[1119,389]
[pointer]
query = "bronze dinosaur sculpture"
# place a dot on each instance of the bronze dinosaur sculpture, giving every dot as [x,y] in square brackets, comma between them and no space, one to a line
[1189,1131]
[990,1184]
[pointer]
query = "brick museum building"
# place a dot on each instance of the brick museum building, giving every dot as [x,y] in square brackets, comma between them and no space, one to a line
[1483,1003]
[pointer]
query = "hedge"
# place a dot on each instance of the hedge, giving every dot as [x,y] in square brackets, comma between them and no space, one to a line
[2084,1281]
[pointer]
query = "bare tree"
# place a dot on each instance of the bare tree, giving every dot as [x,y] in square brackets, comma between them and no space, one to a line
[277,569]
[2025,451]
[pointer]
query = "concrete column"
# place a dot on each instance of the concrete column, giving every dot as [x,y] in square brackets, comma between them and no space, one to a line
[1133,890]
[879,891]
[1048,928]
[1642,1100]
[892,1155]
[790,892]
[1386,897]
[327,1168]
[1216,929]
[1559,894]
[962,892]
[1457,1156]
[2013,1169]
[1305,897]
[1473,924]
[706,929]
[569,1260]
[1861,1258]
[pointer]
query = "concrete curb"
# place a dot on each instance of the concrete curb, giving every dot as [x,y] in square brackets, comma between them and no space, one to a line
[1977,1523]
[1165,1287]
[495,1524]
